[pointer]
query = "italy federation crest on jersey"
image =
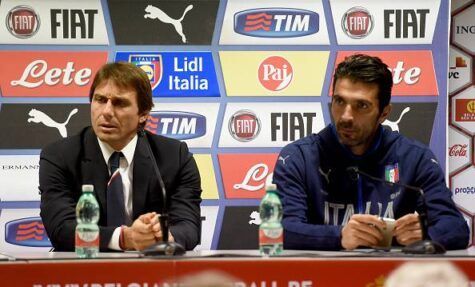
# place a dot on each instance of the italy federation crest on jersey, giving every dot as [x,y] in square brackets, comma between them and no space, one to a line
[151,64]
[391,173]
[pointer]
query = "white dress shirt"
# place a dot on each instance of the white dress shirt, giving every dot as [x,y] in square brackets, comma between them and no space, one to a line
[126,168]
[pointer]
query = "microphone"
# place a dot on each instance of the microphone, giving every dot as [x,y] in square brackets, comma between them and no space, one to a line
[424,246]
[164,247]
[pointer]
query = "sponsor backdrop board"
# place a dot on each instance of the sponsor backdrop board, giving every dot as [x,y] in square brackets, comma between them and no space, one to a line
[460,147]
[176,74]
[274,73]
[53,22]
[48,73]
[367,22]
[21,230]
[236,80]
[274,22]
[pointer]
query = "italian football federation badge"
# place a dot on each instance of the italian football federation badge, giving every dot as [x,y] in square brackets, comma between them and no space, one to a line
[391,173]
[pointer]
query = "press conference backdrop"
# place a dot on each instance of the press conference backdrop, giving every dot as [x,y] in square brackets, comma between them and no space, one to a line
[237,80]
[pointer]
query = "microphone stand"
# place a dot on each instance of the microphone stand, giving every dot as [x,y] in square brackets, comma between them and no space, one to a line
[424,246]
[163,247]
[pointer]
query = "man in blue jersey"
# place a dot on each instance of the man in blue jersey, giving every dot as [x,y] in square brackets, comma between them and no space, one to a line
[326,207]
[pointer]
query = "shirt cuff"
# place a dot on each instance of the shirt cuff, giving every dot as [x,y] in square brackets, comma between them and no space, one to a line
[114,242]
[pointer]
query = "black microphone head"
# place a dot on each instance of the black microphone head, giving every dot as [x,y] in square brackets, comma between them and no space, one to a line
[353,172]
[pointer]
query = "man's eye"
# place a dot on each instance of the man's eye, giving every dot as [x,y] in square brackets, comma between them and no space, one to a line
[363,105]
[120,103]
[100,99]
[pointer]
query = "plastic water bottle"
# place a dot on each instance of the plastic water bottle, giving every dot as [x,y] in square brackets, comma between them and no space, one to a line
[87,230]
[271,235]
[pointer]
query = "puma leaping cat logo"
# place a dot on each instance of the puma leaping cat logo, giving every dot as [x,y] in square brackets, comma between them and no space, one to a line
[394,126]
[37,116]
[283,159]
[157,13]
[255,218]
[325,175]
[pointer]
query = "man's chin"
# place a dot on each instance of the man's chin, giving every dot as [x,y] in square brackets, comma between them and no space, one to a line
[346,141]
[106,137]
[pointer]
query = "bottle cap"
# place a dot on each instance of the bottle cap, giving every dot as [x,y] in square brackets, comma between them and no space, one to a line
[271,187]
[87,188]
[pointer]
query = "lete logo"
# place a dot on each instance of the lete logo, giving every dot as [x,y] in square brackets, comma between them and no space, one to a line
[256,178]
[246,175]
[413,71]
[48,73]
[27,232]
[39,70]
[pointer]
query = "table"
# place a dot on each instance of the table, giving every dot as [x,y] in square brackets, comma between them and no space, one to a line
[293,269]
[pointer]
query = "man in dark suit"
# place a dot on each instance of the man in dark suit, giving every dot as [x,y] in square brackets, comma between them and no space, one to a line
[121,99]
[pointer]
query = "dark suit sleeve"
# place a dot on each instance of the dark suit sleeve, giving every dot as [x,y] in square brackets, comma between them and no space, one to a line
[184,208]
[60,188]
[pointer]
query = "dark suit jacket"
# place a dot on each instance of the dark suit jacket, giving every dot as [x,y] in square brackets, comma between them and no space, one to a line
[67,164]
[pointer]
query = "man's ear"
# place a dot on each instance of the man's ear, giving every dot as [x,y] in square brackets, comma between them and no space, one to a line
[385,114]
[143,117]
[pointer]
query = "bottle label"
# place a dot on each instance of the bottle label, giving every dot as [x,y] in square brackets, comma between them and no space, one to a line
[271,236]
[87,238]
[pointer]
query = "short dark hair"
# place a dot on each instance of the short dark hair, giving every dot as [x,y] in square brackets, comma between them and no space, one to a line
[126,75]
[367,69]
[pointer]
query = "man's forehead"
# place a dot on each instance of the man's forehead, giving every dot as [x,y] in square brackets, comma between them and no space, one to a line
[119,88]
[365,90]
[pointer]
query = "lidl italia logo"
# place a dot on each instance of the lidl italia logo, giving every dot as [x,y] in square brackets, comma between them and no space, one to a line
[275,73]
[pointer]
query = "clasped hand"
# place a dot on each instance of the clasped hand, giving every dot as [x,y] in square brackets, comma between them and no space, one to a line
[144,232]
[365,230]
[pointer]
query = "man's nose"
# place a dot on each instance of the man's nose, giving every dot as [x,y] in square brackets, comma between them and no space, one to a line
[347,113]
[108,108]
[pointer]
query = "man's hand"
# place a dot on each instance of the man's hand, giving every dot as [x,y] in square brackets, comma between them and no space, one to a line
[157,230]
[408,229]
[140,235]
[362,230]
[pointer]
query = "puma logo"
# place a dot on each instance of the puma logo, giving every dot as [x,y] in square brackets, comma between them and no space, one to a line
[283,159]
[157,13]
[255,218]
[394,126]
[325,175]
[37,116]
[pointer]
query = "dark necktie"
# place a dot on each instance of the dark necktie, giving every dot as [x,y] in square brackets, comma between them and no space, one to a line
[115,193]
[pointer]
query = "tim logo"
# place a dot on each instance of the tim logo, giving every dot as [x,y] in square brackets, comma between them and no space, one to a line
[27,232]
[357,22]
[177,125]
[275,73]
[23,22]
[276,23]
[151,64]
[244,126]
